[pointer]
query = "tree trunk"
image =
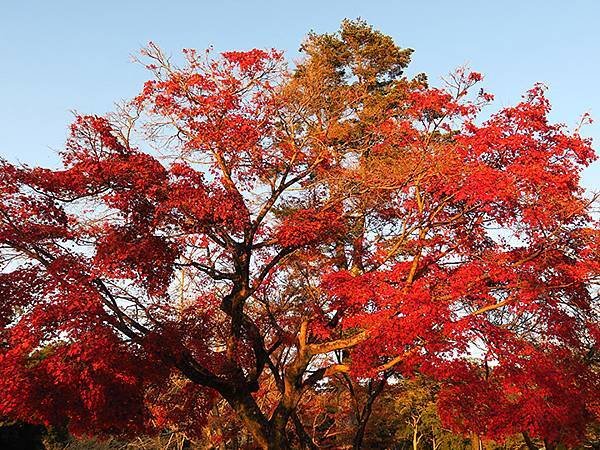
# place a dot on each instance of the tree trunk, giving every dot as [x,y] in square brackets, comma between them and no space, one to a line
[475,442]
[306,441]
[263,432]
[363,420]
[415,436]
[278,440]
[360,435]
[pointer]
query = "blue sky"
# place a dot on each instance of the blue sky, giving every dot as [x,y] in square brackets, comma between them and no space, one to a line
[63,55]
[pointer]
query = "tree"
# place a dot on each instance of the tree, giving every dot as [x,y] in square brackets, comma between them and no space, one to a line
[247,232]
[416,404]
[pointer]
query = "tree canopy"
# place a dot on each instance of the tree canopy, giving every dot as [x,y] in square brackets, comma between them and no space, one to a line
[249,231]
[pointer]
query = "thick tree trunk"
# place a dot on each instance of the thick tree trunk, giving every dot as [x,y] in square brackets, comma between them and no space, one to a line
[278,423]
[267,434]
[254,420]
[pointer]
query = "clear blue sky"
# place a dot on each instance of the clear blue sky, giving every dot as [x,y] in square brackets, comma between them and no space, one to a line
[62,55]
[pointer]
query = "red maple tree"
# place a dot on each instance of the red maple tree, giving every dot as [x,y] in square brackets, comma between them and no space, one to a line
[245,231]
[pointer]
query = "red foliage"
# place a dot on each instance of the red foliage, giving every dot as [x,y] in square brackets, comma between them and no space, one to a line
[292,219]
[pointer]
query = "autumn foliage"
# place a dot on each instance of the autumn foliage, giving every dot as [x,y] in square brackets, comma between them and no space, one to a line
[247,231]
